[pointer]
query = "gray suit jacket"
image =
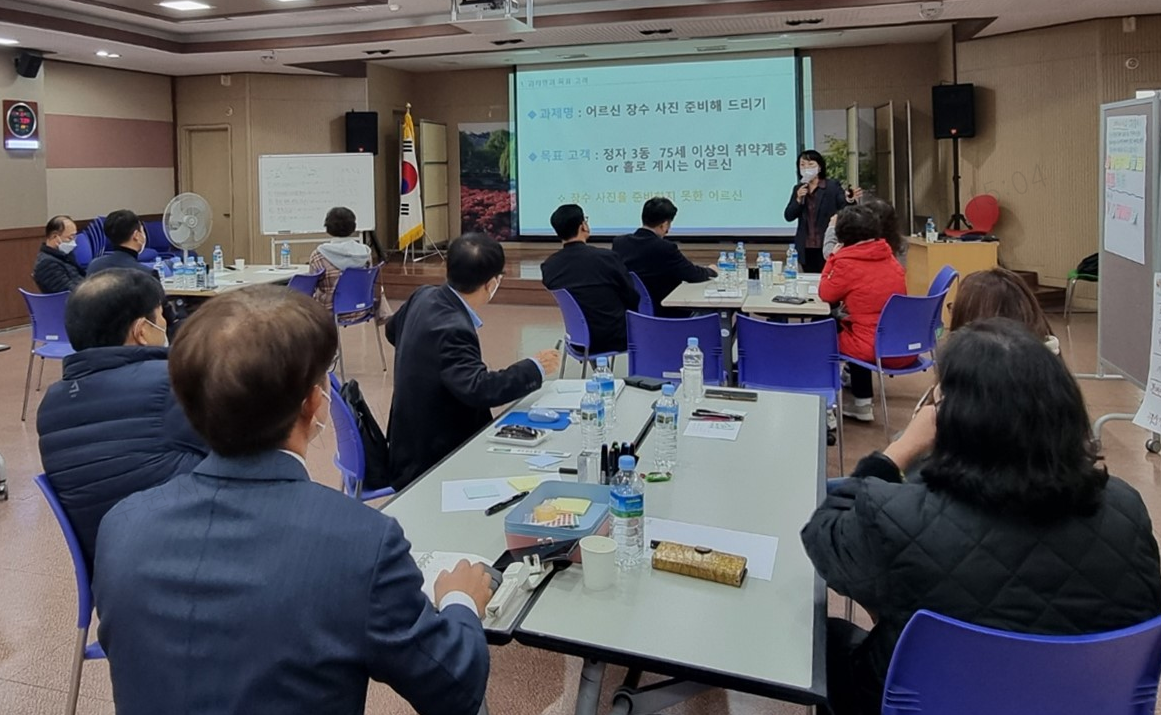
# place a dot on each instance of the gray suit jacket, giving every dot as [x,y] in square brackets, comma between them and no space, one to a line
[245,588]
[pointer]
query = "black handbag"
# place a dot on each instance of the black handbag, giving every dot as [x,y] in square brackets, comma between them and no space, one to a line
[375,446]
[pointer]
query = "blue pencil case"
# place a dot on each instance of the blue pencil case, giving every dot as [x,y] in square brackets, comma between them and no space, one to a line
[521,419]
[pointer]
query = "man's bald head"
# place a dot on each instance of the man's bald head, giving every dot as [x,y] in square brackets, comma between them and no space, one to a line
[58,230]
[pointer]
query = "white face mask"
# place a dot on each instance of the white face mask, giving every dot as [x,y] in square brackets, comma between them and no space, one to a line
[319,426]
[67,248]
[163,333]
[808,174]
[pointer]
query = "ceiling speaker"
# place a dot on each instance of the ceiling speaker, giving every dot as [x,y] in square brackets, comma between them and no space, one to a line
[28,64]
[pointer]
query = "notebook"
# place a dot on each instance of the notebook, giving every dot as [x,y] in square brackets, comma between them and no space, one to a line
[566,395]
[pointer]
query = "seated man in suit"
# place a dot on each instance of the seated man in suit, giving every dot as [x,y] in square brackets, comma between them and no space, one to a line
[244,587]
[56,269]
[658,262]
[595,277]
[127,240]
[112,427]
[443,390]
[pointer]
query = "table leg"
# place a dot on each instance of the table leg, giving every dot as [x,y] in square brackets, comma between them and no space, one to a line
[588,695]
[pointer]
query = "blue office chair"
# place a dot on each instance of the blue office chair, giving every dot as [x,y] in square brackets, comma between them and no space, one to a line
[576,334]
[645,305]
[350,457]
[354,304]
[83,650]
[942,666]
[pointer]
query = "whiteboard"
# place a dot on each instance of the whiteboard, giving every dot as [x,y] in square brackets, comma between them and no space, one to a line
[295,191]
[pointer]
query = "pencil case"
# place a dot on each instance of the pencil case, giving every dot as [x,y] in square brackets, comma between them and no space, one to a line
[699,562]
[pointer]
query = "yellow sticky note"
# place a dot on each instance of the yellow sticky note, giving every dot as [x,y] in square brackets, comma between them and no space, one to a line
[571,505]
[525,484]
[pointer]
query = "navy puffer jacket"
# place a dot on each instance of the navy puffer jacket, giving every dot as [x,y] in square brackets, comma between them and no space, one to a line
[112,427]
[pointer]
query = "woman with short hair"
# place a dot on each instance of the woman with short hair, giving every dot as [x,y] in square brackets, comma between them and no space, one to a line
[1016,524]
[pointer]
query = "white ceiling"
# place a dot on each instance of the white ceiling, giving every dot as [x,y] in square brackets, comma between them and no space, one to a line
[301,34]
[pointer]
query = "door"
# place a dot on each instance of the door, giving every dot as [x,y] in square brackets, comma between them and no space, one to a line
[207,170]
[885,152]
[853,145]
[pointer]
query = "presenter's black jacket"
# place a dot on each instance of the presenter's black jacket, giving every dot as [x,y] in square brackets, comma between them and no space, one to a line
[899,547]
[660,265]
[601,285]
[443,390]
[831,199]
[56,271]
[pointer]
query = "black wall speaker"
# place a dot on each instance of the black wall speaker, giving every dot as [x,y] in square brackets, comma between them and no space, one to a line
[28,64]
[363,132]
[953,107]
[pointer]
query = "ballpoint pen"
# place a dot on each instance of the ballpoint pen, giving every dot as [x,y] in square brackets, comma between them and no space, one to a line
[501,506]
[712,416]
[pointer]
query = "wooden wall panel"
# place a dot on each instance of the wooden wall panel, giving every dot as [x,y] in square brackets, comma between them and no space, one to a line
[18,249]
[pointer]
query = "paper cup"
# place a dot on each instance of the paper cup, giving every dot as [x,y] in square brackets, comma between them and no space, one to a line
[803,289]
[598,562]
[240,263]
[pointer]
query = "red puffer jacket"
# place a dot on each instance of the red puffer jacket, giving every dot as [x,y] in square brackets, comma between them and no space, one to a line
[863,277]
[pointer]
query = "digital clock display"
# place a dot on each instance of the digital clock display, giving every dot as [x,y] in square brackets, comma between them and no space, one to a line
[20,125]
[21,120]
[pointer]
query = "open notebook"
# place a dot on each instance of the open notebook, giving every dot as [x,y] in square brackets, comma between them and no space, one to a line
[565,395]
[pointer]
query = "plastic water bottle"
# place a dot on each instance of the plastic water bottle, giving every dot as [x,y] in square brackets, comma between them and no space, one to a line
[191,273]
[929,231]
[608,385]
[766,271]
[692,378]
[723,276]
[211,280]
[179,273]
[284,258]
[219,260]
[665,415]
[627,504]
[201,274]
[790,271]
[741,265]
[159,267]
[594,427]
[729,271]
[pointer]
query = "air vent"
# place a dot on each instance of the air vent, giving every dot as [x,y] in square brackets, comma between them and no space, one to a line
[502,43]
[805,21]
[664,31]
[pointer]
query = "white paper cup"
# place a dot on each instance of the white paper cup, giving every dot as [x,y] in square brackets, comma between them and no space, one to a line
[777,267]
[598,562]
[240,263]
[803,289]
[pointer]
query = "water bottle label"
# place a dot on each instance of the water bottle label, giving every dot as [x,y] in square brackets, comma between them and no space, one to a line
[627,506]
[666,416]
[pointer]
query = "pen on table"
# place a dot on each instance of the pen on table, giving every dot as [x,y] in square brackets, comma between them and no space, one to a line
[501,506]
[526,451]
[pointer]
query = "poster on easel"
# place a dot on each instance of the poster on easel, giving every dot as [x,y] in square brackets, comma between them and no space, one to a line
[1125,165]
[1149,415]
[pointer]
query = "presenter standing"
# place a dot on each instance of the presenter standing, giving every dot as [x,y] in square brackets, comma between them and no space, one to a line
[814,200]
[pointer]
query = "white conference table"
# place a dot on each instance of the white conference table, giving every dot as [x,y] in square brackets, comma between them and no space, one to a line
[766,637]
[232,279]
[761,302]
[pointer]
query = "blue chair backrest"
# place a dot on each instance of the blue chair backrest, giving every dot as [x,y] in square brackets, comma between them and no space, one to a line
[47,312]
[645,307]
[355,289]
[84,586]
[656,345]
[942,666]
[349,457]
[155,237]
[788,356]
[85,251]
[305,283]
[576,328]
[907,325]
[943,280]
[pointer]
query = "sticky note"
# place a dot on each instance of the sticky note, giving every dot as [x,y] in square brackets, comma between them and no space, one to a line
[571,505]
[481,491]
[525,484]
[542,460]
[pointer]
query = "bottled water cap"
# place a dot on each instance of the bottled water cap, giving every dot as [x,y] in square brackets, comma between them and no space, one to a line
[692,342]
[592,386]
[668,389]
[602,362]
[626,463]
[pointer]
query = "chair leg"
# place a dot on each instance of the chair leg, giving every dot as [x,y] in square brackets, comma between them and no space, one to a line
[75,673]
[39,374]
[1068,291]
[563,359]
[27,386]
[838,408]
[342,367]
[883,399]
[379,339]
[849,611]
[585,365]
